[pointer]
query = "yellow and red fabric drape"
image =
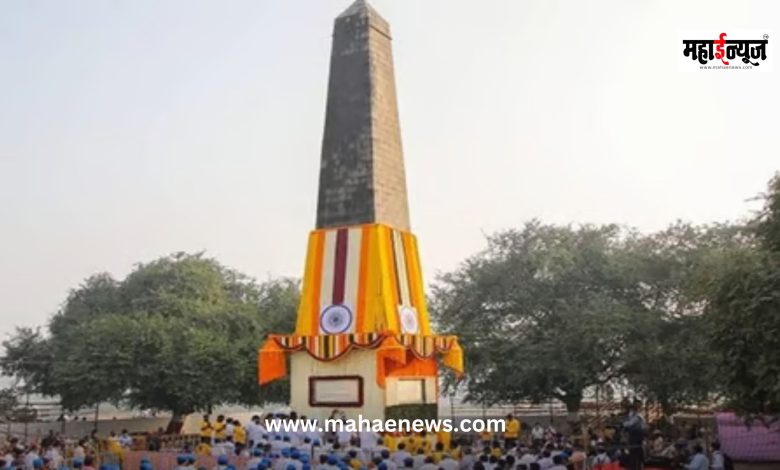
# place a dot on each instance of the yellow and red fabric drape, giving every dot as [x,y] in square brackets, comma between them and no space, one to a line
[394,352]
[363,288]
[372,270]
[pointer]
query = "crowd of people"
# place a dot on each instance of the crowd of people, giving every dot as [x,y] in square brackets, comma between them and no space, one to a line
[55,452]
[232,445]
[538,448]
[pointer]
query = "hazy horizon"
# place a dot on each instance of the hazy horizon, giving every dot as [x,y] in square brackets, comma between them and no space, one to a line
[132,130]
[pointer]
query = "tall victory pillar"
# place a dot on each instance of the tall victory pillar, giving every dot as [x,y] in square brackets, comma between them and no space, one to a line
[362,341]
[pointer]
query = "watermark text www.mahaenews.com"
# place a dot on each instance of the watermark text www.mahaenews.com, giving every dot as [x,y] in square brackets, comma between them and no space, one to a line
[361,424]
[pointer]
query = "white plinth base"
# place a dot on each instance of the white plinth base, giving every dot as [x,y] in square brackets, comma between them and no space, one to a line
[355,363]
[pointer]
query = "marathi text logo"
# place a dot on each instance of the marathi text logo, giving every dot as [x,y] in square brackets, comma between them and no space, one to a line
[751,51]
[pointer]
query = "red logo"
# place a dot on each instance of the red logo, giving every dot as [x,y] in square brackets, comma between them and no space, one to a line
[720,52]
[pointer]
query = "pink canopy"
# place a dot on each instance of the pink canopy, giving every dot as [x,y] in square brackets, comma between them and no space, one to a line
[753,442]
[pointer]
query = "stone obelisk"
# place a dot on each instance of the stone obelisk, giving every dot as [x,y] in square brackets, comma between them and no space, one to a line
[362,178]
[363,341]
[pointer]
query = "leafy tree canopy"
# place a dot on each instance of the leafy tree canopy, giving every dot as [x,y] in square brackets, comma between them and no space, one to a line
[179,334]
[744,314]
[550,312]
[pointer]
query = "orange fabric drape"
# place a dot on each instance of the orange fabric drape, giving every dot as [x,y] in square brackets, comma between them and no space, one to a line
[390,352]
[393,352]
[271,362]
[453,359]
[414,367]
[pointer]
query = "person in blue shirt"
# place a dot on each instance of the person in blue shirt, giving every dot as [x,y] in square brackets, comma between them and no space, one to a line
[699,461]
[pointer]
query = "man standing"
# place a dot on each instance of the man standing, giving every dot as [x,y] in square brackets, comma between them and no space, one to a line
[219,428]
[255,431]
[634,425]
[512,432]
[537,434]
[718,460]
[699,461]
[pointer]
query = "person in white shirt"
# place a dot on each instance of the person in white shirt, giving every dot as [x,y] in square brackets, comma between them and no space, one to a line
[317,451]
[429,465]
[284,461]
[222,462]
[229,428]
[218,450]
[278,444]
[257,457]
[537,434]
[53,457]
[312,432]
[385,455]
[332,463]
[419,459]
[362,455]
[8,459]
[558,463]
[400,455]
[343,437]
[546,461]
[699,461]
[601,457]
[448,463]
[467,460]
[31,457]
[379,448]
[550,432]
[368,441]
[125,439]
[527,458]
[718,460]
[229,446]
[255,431]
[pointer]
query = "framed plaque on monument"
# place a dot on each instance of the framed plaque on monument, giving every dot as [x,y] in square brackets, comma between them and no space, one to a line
[336,391]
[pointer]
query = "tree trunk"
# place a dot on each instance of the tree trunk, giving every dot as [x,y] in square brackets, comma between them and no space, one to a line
[97,417]
[573,401]
[176,423]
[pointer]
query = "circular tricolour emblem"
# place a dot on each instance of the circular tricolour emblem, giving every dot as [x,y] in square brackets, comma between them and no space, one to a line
[409,323]
[335,319]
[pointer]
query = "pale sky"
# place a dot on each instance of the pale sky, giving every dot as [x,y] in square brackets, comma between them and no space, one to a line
[134,129]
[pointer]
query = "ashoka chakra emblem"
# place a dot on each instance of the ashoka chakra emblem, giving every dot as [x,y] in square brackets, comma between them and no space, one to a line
[409,323]
[335,319]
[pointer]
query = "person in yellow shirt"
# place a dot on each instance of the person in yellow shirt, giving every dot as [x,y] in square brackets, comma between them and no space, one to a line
[206,428]
[203,449]
[354,461]
[412,443]
[456,451]
[497,452]
[114,446]
[438,453]
[219,428]
[426,442]
[239,436]
[391,441]
[512,431]
[444,438]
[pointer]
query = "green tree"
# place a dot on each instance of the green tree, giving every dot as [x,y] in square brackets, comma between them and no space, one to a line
[744,314]
[668,359]
[9,404]
[767,224]
[541,313]
[28,359]
[180,334]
